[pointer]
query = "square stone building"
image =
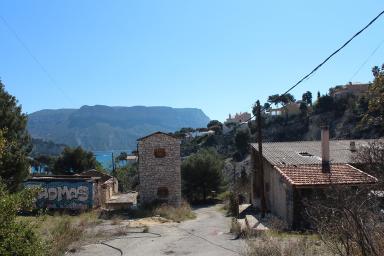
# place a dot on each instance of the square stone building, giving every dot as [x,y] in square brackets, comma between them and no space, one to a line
[159,169]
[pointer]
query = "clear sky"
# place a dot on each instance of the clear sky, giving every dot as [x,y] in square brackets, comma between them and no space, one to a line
[220,56]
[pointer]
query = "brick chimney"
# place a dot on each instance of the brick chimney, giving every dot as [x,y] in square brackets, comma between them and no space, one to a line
[325,149]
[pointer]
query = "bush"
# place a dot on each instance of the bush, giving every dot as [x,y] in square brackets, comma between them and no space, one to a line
[184,212]
[201,174]
[74,160]
[242,138]
[17,237]
[127,177]
[233,205]
[299,245]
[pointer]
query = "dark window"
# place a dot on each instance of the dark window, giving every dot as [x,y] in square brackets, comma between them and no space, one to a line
[162,192]
[160,152]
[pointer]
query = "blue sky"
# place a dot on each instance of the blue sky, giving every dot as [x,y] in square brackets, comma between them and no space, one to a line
[220,56]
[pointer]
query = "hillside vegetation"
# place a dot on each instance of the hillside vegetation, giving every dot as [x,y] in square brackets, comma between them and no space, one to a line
[349,116]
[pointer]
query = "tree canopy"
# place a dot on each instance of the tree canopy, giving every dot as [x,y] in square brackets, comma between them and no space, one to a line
[274,99]
[375,113]
[201,174]
[43,163]
[277,99]
[242,138]
[14,164]
[215,125]
[287,98]
[307,98]
[2,143]
[74,160]
[17,237]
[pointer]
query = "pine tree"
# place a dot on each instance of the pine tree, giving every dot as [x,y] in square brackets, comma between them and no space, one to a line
[14,164]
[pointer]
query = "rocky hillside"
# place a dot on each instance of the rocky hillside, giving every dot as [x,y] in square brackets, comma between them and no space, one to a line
[105,128]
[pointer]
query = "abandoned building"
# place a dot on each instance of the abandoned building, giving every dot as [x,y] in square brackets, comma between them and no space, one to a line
[159,169]
[294,169]
[66,191]
[87,190]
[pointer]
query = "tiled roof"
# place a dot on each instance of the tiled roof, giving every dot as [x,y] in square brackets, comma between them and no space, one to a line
[288,153]
[94,173]
[304,175]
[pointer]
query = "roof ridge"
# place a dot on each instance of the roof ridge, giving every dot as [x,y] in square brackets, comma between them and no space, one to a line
[154,133]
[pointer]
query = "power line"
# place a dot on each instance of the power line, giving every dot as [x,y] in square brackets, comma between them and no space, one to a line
[366,60]
[34,58]
[334,53]
[324,61]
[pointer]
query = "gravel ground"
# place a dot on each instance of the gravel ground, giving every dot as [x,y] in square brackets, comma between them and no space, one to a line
[207,235]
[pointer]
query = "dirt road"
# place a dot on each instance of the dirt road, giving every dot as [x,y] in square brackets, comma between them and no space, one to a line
[207,235]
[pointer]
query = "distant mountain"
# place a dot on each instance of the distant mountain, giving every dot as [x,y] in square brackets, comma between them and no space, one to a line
[105,128]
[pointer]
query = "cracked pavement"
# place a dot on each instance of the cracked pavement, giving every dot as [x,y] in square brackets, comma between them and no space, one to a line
[207,235]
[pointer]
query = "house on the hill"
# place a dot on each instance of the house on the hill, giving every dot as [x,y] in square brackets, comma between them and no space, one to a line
[293,170]
[159,169]
[292,108]
[355,89]
[239,117]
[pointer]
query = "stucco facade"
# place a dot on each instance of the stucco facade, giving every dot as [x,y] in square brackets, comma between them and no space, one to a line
[159,169]
[278,192]
[293,171]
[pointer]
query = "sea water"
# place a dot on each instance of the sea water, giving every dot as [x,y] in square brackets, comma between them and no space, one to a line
[105,158]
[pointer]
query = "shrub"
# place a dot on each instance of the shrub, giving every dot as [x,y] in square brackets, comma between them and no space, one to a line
[201,174]
[17,237]
[127,177]
[63,234]
[299,245]
[184,212]
[233,205]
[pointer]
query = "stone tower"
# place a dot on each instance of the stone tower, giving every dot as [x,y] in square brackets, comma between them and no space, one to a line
[159,169]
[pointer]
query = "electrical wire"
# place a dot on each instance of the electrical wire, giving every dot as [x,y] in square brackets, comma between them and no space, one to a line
[366,60]
[334,53]
[322,63]
[34,58]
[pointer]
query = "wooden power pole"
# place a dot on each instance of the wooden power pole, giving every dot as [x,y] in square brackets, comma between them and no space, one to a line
[261,166]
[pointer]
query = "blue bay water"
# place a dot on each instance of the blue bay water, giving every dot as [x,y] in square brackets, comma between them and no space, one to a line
[105,157]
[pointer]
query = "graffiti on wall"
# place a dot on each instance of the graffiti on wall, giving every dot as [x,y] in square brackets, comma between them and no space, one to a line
[63,194]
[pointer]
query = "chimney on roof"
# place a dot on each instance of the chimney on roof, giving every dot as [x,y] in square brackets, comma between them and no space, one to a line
[325,149]
[352,146]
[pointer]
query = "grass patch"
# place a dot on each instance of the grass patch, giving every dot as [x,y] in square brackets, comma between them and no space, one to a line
[60,230]
[184,212]
[181,213]
[275,243]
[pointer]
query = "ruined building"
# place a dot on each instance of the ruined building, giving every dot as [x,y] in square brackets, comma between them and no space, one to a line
[159,169]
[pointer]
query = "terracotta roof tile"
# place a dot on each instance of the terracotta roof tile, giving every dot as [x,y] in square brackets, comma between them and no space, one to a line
[304,175]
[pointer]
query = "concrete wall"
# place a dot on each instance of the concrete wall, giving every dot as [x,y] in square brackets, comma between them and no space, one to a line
[64,194]
[155,172]
[278,193]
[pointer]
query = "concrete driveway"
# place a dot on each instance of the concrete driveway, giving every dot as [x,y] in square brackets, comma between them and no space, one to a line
[206,235]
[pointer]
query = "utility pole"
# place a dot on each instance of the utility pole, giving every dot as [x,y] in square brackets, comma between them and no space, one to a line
[261,166]
[113,166]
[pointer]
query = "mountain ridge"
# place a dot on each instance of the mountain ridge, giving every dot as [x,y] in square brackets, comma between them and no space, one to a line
[101,127]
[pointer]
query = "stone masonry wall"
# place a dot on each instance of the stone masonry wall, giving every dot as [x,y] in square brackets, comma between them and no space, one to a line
[155,173]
